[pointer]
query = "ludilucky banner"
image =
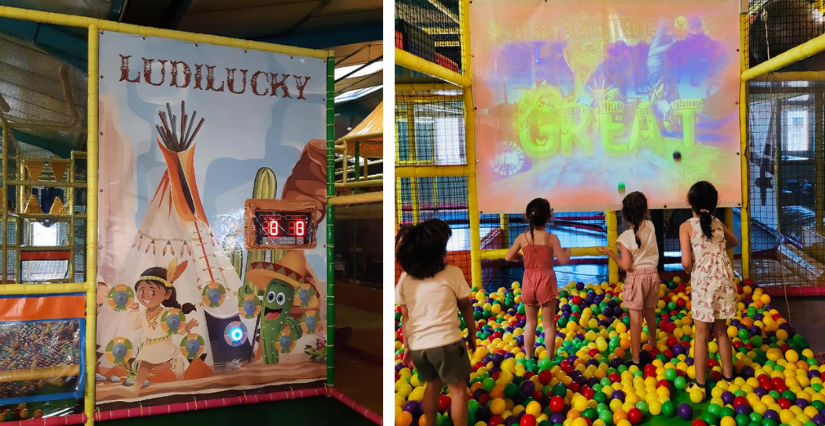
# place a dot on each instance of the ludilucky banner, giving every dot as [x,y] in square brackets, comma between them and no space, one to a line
[583,102]
[189,133]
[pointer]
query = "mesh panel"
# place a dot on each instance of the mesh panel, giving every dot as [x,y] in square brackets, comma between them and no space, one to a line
[777,26]
[430,128]
[429,29]
[786,178]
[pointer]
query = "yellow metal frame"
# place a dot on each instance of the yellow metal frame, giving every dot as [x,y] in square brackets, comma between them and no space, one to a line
[95,26]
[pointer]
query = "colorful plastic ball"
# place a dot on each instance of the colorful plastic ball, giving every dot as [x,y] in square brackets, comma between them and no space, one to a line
[680,383]
[668,408]
[635,416]
[685,411]
[528,420]
[677,156]
[696,396]
[557,404]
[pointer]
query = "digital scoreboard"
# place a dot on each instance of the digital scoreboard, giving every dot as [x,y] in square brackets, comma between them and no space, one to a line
[279,224]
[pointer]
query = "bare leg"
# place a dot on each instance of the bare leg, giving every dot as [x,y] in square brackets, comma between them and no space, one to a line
[548,321]
[532,317]
[458,393]
[700,351]
[635,333]
[143,374]
[650,318]
[725,351]
[431,394]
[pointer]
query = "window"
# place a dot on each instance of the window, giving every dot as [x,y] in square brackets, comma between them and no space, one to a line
[796,130]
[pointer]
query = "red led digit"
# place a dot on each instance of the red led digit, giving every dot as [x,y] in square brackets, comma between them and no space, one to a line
[300,228]
[273,228]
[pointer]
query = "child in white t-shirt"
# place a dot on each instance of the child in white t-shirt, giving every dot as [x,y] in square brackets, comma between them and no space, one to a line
[430,294]
[639,258]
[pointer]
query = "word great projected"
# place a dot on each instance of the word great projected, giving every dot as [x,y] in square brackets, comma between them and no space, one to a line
[581,103]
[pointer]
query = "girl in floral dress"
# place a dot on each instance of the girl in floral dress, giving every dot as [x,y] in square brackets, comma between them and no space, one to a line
[704,242]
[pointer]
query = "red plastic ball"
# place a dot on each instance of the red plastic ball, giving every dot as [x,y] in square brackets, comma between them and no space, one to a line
[587,393]
[443,403]
[574,387]
[614,377]
[577,300]
[528,375]
[545,376]
[528,420]
[538,395]
[740,400]
[494,421]
[698,422]
[670,341]
[557,404]
[634,415]
[785,403]
[483,399]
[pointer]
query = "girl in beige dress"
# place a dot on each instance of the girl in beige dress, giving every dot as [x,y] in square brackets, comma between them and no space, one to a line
[155,291]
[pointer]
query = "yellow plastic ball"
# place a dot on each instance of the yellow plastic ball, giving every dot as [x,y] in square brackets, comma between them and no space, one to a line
[497,406]
[696,396]
[791,355]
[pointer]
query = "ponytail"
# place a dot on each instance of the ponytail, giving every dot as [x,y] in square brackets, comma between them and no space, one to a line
[537,214]
[636,235]
[172,302]
[703,198]
[634,210]
[705,220]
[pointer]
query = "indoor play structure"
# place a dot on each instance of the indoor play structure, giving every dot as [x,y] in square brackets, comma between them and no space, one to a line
[497,103]
[179,255]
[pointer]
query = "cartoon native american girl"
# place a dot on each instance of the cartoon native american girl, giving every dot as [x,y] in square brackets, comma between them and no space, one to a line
[156,292]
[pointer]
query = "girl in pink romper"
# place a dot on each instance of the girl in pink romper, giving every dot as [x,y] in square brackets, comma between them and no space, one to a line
[539,288]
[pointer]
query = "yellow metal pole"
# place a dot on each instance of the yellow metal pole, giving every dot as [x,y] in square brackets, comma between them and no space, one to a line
[612,235]
[424,87]
[414,196]
[432,171]
[504,223]
[84,22]
[744,210]
[39,373]
[414,63]
[91,224]
[798,53]
[5,201]
[575,252]
[52,288]
[744,216]
[470,143]
[369,197]
[792,76]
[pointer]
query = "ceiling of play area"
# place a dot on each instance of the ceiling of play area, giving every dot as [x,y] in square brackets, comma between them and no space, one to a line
[39,63]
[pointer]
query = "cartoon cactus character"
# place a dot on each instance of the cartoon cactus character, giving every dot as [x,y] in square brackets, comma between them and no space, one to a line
[280,283]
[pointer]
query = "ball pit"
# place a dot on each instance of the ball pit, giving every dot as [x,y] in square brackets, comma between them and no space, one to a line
[778,381]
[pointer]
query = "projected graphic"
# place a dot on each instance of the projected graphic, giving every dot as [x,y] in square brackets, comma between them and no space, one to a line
[581,104]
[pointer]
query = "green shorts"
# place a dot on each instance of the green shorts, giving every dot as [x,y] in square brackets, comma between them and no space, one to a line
[450,362]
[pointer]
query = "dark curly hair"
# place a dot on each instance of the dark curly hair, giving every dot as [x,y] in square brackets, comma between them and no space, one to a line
[172,301]
[422,249]
[634,210]
[538,213]
[703,198]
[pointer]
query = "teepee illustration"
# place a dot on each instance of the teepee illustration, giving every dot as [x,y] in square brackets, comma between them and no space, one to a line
[175,226]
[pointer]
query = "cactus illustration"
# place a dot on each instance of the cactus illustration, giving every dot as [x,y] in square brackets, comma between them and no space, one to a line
[265,188]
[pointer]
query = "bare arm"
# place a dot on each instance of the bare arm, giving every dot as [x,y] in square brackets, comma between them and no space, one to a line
[684,244]
[404,318]
[625,261]
[562,254]
[513,253]
[466,308]
[730,240]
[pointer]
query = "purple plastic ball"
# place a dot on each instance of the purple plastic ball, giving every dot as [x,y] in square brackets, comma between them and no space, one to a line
[615,362]
[528,387]
[411,407]
[617,394]
[509,354]
[801,403]
[579,286]
[557,418]
[478,392]
[512,420]
[520,340]
[771,414]
[819,419]
[685,411]
[742,409]
[678,350]
[497,359]
[760,391]
[727,397]
[399,367]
